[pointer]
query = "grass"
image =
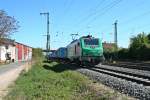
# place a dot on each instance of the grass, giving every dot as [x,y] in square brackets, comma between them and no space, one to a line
[54,81]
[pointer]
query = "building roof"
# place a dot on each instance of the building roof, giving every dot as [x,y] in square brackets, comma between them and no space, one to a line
[22,44]
[108,45]
[6,41]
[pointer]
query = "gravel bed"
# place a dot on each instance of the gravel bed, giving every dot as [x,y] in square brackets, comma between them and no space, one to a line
[134,71]
[132,89]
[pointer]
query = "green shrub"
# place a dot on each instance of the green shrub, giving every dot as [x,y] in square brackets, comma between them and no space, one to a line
[37,53]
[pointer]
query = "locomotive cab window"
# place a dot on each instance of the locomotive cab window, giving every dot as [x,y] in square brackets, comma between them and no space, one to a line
[78,44]
[91,42]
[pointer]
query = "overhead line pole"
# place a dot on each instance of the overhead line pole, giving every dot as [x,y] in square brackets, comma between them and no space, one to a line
[115,39]
[48,35]
[115,34]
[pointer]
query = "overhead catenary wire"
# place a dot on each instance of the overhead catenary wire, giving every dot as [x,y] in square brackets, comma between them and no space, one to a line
[105,7]
[93,11]
[68,5]
[94,17]
[99,12]
[71,2]
[103,11]
[130,20]
[139,28]
[136,17]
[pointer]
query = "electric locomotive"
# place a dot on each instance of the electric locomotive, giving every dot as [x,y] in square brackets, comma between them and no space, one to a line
[86,49]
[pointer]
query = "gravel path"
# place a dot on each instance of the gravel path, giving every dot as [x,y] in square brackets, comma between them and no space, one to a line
[8,67]
[127,87]
[8,74]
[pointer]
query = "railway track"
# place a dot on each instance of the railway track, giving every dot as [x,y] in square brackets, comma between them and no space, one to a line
[134,84]
[122,74]
[125,80]
[130,85]
[139,66]
[144,80]
[132,72]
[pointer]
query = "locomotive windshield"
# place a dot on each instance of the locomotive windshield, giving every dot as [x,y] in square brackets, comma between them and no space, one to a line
[91,42]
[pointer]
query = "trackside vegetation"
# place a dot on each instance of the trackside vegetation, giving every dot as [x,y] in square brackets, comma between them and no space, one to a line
[37,54]
[55,81]
[139,49]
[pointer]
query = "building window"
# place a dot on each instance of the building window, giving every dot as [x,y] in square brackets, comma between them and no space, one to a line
[6,46]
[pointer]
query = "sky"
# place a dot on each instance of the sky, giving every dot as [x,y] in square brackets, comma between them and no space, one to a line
[94,17]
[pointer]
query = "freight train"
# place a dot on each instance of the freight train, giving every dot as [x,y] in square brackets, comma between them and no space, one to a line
[86,49]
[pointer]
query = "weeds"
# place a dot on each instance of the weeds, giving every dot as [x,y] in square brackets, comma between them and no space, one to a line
[53,82]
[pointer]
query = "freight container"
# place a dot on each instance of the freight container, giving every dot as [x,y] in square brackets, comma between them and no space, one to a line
[62,52]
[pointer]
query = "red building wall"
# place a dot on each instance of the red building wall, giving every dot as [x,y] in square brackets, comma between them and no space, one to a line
[19,49]
[23,52]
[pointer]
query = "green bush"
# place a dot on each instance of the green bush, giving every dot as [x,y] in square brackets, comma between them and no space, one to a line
[37,53]
[139,49]
[123,53]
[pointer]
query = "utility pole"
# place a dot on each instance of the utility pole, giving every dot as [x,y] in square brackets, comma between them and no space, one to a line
[115,35]
[115,40]
[48,35]
[74,35]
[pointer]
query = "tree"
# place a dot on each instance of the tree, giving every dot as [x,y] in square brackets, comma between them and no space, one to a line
[139,46]
[123,53]
[141,39]
[8,24]
[148,37]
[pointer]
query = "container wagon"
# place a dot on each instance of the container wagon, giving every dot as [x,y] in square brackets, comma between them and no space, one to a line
[52,55]
[62,53]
